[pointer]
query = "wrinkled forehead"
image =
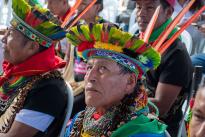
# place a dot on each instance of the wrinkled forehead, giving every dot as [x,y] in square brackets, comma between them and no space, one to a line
[97,60]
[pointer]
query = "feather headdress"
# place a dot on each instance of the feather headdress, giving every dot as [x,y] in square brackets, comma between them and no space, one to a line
[107,41]
[36,22]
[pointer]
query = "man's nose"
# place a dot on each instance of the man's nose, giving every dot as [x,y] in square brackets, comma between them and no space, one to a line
[141,12]
[91,75]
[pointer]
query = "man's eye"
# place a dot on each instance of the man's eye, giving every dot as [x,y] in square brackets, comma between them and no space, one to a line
[102,69]
[138,7]
[198,117]
[88,67]
[150,8]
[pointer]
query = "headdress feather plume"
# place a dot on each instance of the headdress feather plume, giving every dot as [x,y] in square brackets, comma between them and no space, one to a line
[36,22]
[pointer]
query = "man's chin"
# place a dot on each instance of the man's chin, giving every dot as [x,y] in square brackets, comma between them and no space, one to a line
[142,28]
[90,104]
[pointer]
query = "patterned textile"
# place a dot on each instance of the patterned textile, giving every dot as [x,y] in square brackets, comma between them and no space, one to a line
[16,102]
[132,107]
[9,87]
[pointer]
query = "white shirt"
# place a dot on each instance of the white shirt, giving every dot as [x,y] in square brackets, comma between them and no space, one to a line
[37,120]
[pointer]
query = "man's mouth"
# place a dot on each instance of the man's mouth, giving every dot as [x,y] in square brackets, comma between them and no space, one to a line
[91,89]
[143,22]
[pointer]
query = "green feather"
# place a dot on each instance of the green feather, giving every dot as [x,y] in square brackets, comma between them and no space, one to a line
[96,31]
[21,8]
[73,39]
[125,38]
[86,32]
[46,28]
[75,30]
[137,44]
[153,55]
[116,36]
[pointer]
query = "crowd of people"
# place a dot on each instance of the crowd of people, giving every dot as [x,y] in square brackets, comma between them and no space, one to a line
[130,86]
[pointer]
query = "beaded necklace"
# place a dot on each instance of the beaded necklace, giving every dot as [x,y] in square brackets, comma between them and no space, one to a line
[130,108]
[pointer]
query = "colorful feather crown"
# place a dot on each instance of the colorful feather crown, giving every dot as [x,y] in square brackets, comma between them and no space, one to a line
[35,22]
[107,41]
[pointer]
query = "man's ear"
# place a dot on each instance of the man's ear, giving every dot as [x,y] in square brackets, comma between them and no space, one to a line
[131,83]
[32,47]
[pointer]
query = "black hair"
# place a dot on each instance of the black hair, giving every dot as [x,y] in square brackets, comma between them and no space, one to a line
[42,48]
[125,70]
[99,2]
[197,5]
[165,4]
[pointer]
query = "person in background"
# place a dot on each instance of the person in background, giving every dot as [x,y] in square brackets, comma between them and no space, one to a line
[61,8]
[179,4]
[198,37]
[197,125]
[91,16]
[168,85]
[32,91]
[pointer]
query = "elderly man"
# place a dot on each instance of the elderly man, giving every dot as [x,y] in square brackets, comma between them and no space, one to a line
[169,83]
[32,91]
[197,126]
[116,102]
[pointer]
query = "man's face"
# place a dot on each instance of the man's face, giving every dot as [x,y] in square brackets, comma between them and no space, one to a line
[105,85]
[15,50]
[90,15]
[145,11]
[197,126]
[56,7]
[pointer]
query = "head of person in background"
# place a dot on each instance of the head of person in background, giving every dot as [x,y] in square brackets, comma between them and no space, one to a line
[197,125]
[91,15]
[146,9]
[59,8]
[197,4]
[168,84]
